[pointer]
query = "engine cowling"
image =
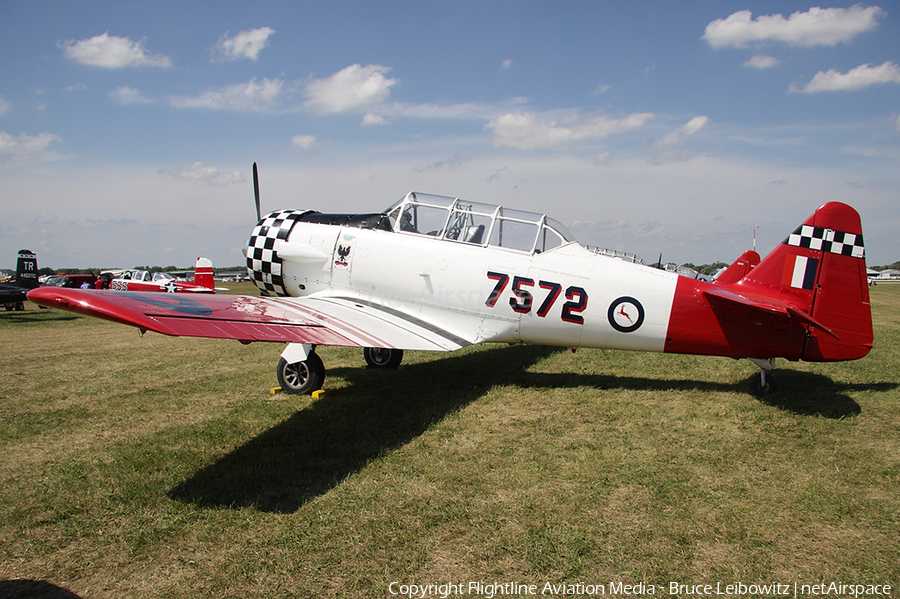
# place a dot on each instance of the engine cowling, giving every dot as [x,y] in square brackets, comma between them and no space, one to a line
[264,265]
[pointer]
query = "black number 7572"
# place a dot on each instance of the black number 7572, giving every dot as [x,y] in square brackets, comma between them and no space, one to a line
[523,299]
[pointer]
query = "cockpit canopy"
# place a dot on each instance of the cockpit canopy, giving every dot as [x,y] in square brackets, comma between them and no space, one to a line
[459,221]
[146,276]
[475,223]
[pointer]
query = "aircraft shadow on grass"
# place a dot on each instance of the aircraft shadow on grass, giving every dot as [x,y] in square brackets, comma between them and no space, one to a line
[26,589]
[27,316]
[311,452]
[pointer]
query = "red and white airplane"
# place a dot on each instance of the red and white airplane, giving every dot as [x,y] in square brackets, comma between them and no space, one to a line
[441,273]
[144,280]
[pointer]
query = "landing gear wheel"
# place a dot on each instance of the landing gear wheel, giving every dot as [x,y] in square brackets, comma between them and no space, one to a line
[760,389]
[301,378]
[383,358]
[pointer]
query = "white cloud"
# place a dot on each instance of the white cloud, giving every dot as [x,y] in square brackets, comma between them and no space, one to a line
[862,76]
[253,95]
[506,64]
[816,27]
[26,147]
[373,119]
[102,223]
[126,96]
[304,143]
[111,52]
[762,61]
[464,111]
[41,220]
[453,162]
[528,131]
[678,136]
[601,89]
[203,172]
[353,88]
[604,159]
[246,44]
[5,107]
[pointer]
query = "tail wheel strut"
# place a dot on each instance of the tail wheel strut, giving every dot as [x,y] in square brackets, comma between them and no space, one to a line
[763,383]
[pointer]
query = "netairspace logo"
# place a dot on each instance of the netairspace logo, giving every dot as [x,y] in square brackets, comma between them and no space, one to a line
[491,590]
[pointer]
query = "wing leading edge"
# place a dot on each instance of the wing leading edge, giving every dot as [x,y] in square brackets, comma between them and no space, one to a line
[320,321]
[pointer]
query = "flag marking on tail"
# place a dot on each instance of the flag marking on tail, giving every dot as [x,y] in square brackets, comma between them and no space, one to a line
[800,272]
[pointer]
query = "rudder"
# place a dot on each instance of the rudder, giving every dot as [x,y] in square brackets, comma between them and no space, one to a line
[203,273]
[26,270]
[820,268]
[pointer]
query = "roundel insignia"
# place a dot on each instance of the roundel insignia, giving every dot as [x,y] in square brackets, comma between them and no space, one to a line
[626,314]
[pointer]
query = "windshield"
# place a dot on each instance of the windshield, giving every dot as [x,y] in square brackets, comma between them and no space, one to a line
[476,223]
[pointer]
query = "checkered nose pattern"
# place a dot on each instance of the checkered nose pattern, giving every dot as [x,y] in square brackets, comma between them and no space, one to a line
[263,263]
[827,240]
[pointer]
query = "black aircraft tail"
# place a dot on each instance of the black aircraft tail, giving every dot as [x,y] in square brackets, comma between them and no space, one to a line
[26,270]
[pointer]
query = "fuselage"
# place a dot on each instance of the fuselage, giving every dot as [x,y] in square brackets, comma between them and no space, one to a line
[486,274]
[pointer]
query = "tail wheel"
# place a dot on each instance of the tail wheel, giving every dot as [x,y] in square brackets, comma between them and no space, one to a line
[762,384]
[301,378]
[379,357]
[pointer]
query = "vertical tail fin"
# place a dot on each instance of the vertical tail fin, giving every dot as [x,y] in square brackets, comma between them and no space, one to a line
[820,269]
[203,273]
[26,270]
[739,268]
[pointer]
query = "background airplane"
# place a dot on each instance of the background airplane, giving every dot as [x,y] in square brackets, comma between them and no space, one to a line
[12,295]
[144,280]
[440,273]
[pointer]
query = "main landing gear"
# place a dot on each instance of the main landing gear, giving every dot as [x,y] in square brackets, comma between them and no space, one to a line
[383,358]
[763,383]
[301,378]
[300,370]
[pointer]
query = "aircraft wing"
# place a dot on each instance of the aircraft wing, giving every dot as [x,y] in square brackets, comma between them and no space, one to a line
[769,304]
[344,321]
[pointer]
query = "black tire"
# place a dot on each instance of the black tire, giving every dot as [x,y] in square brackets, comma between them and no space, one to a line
[378,357]
[301,378]
[757,388]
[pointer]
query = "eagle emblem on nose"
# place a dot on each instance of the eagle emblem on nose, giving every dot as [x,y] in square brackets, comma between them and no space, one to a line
[343,251]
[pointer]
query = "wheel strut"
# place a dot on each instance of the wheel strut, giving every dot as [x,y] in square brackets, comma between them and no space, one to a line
[763,383]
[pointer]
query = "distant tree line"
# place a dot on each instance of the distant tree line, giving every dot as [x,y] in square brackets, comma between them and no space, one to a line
[96,271]
[703,269]
[894,266]
[707,269]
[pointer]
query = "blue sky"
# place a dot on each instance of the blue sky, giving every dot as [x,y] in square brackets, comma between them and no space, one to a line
[128,129]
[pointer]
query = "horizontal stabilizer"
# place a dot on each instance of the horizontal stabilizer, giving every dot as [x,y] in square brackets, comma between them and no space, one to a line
[768,304]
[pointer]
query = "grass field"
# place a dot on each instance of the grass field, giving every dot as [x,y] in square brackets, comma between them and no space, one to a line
[160,467]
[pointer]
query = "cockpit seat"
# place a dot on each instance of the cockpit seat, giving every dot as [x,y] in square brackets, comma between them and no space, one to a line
[474,234]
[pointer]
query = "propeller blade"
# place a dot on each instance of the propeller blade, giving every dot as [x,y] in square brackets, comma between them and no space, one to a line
[256,192]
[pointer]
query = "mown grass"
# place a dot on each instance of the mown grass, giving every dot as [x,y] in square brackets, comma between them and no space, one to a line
[159,467]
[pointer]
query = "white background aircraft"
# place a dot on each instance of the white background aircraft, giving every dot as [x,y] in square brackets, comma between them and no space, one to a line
[144,280]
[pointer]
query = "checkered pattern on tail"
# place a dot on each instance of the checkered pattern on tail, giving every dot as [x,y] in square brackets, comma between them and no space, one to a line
[827,240]
[263,264]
